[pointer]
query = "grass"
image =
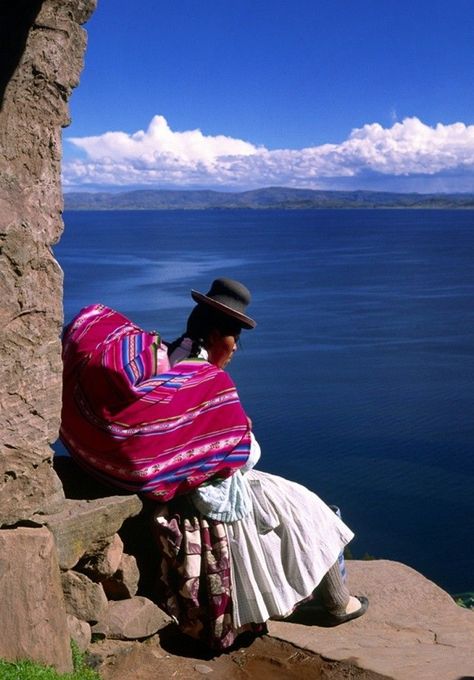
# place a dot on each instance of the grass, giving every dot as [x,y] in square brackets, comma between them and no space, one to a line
[29,670]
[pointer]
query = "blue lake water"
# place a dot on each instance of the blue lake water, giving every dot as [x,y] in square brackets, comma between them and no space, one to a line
[359,377]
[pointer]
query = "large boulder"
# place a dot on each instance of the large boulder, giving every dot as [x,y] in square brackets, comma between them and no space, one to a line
[32,612]
[41,48]
[412,630]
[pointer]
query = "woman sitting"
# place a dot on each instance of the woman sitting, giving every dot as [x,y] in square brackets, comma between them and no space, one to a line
[238,546]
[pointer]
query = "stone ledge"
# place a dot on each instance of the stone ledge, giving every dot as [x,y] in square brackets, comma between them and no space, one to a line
[413,628]
[81,525]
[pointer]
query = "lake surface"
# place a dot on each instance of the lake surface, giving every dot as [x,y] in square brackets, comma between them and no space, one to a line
[359,377]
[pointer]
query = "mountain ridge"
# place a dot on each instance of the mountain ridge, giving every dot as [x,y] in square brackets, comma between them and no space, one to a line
[269,198]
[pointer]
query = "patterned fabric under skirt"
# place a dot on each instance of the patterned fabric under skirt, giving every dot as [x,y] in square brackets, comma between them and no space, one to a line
[219,580]
[195,574]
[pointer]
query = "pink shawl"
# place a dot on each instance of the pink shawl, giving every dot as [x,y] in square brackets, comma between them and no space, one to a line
[138,424]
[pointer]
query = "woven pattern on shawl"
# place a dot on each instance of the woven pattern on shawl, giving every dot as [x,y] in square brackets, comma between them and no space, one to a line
[136,423]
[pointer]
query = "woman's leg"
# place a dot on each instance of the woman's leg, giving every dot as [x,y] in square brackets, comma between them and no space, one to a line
[334,594]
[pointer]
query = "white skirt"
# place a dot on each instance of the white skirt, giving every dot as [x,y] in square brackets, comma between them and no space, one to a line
[282,550]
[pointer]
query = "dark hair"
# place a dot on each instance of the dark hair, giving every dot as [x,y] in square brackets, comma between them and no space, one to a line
[202,320]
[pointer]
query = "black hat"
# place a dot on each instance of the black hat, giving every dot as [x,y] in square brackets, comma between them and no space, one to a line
[229,297]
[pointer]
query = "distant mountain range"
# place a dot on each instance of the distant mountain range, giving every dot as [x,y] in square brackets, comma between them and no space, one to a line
[272,198]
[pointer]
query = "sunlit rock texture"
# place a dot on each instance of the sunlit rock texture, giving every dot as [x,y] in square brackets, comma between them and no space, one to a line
[42,45]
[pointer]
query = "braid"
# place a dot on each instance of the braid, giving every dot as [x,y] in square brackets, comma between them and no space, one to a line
[195,347]
[176,343]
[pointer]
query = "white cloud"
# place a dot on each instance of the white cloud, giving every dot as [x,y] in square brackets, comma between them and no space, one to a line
[158,142]
[162,157]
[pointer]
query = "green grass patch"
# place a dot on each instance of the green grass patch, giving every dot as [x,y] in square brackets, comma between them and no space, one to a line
[29,670]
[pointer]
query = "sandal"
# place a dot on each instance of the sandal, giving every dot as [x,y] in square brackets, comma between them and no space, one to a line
[336,619]
[308,614]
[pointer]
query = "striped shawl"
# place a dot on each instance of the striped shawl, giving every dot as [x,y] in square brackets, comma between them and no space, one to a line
[138,424]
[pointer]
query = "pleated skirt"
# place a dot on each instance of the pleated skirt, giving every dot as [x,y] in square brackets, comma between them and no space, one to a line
[282,550]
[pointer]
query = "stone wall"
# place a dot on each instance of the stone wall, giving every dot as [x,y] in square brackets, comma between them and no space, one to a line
[41,56]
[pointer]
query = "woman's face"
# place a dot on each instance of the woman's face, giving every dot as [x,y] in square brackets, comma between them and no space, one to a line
[220,348]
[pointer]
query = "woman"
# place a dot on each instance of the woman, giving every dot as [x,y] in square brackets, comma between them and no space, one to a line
[283,540]
[239,546]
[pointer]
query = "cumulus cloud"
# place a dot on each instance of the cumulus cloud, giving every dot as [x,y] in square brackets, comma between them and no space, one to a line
[162,157]
[159,141]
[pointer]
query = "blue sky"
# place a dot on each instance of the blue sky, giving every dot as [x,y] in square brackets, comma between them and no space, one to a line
[234,95]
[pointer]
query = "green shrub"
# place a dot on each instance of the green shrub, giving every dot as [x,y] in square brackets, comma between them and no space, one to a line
[465,600]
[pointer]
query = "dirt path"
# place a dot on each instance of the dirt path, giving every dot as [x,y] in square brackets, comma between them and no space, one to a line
[176,657]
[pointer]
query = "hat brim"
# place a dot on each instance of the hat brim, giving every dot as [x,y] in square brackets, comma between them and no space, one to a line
[245,321]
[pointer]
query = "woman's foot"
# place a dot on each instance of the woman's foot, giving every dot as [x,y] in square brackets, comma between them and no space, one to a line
[357,606]
[353,605]
[311,614]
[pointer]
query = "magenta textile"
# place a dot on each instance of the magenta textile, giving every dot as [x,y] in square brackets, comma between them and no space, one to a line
[136,423]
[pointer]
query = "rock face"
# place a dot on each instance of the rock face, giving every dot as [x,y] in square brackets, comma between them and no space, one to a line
[41,53]
[32,613]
